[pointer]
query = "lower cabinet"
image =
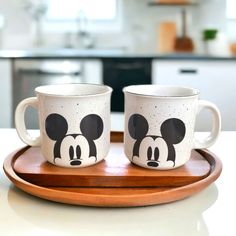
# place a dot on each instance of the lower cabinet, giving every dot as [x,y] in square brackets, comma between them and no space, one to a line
[121,72]
[216,81]
[5,93]
[30,73]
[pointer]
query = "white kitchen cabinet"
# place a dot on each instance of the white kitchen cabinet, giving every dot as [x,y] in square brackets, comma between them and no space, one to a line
[5,93]
[92,71]
[215,79]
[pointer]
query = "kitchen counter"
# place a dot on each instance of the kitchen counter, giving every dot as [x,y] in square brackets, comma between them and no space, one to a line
[102,53]
[206,213]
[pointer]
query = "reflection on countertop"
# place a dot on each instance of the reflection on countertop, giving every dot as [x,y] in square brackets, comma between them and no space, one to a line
[79,218]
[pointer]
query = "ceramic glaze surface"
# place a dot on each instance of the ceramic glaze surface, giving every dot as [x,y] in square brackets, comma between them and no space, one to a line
[159,126]
[74,129]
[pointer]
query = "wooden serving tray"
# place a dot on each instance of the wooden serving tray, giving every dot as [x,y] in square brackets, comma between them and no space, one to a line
[115,171]
[168,189]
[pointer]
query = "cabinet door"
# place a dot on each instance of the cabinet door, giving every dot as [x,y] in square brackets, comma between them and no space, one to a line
[121,72]
[92,71]
[5,93]
[216,81]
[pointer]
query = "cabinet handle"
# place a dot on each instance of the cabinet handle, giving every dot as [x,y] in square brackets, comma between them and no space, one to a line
[44,72]
[188,71]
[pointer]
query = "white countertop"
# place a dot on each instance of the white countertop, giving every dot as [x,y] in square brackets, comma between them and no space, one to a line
[210,212]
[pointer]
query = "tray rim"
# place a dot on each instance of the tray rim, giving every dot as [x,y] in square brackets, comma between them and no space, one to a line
[115,200]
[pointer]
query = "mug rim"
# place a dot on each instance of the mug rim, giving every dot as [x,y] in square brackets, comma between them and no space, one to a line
[139,90]
[49,90]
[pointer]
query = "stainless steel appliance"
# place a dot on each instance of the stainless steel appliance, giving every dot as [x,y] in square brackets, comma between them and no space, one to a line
[30,73]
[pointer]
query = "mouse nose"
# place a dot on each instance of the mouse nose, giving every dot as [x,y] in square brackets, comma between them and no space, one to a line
[153,163]
[75,163]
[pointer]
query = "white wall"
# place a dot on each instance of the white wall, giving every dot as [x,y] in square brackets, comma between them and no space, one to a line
[17,26]
[140,24]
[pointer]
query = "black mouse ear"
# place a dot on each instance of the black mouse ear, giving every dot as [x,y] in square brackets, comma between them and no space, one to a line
[56,126]
[173,130]
[91,126]
[138,126]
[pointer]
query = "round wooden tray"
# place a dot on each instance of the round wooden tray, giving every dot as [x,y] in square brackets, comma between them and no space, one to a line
[110,196]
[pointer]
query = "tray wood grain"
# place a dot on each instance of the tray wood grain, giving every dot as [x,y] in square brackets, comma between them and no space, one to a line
[113,197]
[114,171]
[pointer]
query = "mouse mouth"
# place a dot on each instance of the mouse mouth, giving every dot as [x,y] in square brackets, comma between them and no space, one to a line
[153,164]
[75,163]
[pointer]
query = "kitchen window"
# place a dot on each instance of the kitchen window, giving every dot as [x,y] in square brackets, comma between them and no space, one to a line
[72,15]
[231,9]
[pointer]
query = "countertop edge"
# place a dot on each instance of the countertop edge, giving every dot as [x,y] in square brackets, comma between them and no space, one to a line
[28,54]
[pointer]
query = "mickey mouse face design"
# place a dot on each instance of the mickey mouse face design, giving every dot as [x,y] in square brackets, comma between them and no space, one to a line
[151,150]
[74,149]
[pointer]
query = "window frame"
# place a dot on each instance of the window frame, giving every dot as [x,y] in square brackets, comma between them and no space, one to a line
[60,26]
[231,9]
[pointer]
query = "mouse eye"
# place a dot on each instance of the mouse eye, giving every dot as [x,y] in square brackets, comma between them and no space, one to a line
[78,151]
[74,148]
[149,153]
[155,149]
[156,153]
[71,152]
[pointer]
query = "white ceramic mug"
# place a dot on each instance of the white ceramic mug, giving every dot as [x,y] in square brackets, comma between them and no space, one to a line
[159,125]
[74,122]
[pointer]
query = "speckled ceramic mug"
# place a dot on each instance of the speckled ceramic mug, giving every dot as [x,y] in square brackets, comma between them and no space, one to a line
[74,122]
[159,125]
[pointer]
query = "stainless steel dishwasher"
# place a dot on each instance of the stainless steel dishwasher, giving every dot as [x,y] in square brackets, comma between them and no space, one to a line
[30,73]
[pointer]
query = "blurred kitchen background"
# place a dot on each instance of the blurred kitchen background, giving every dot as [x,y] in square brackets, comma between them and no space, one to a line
[118,43]
[132,25]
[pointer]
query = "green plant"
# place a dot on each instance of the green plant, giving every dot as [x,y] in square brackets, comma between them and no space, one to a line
[209,34]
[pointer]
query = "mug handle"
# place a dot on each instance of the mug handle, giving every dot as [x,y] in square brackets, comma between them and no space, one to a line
[216,127]
[20,121]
